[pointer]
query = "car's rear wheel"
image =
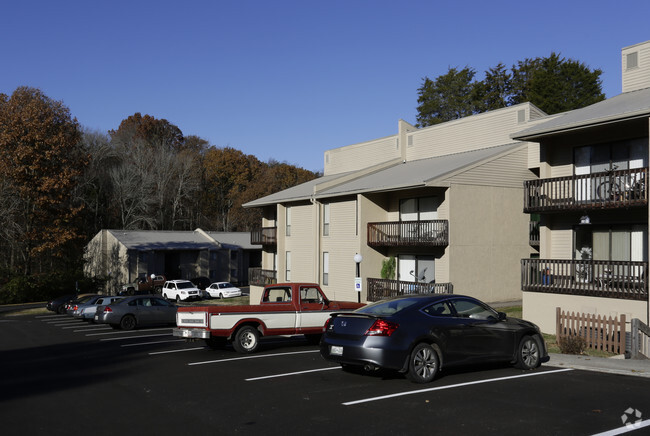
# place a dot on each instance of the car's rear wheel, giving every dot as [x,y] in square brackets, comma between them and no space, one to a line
[61,309]
[127,322]
[423,363]
[247,340]
[528,353]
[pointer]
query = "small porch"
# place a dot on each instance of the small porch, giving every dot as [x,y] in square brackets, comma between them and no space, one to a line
[379,289]
[608,189]
[597,278]
[408,233]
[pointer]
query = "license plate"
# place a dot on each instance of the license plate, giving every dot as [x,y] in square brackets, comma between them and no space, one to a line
[336,350]
[187,334]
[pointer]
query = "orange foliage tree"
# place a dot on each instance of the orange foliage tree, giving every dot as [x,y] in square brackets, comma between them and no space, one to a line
[40,163]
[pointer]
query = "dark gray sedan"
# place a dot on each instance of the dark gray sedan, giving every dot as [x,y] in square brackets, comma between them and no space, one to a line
[419,335]
[137,311]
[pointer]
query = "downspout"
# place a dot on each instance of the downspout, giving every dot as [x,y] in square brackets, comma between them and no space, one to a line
[317,263]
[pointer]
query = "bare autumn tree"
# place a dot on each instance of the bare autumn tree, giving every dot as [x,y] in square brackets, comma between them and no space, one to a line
[158,177]
[41,161]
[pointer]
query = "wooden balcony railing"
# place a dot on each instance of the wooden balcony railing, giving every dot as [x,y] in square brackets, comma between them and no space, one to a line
[264,236]
[609,189]
[408,233]
[261,277]
[597,278]
[379,289]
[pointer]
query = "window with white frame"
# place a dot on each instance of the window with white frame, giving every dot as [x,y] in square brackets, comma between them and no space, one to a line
[287,272]
[326,219]
[326,268]
[288,221]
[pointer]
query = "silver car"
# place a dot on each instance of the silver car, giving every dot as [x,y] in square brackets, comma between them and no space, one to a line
[86,311]
[137,311]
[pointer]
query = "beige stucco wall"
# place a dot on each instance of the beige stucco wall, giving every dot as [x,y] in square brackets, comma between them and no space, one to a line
[488,239]
[540,308]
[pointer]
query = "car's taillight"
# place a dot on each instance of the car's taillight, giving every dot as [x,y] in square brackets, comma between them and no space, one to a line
[75,307]
[327,324]
[108,309]
[382,328]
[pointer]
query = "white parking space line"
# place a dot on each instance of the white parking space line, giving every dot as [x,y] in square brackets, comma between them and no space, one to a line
[124,338]
[459,385]
[119,332]
[177,351]
[59,322]
[152,343]
[257,356]
[84,326]
[42,317]
[628,428]
[288,374]
[95,329]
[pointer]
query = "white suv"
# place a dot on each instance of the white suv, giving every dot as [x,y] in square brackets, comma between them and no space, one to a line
[180,290]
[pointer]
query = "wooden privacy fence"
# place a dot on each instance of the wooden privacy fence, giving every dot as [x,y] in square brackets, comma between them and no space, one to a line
[599,332]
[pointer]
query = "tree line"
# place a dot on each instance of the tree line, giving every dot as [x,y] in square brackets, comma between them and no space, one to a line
[60,183]
[554,84]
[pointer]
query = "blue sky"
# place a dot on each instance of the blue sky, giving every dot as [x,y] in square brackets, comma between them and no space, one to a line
[289,79]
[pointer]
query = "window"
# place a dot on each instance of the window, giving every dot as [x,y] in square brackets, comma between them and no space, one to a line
[619,155]
[326,219]
[615,243]
[438,309]
[326,268]
[288,219]
[287,274]
[412,268]
[632,60]
[278,295]
[473,310]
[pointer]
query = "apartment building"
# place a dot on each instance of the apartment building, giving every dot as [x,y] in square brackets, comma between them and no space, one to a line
[444,201]
[592,202]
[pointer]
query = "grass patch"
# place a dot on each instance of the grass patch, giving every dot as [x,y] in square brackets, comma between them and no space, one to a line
[234,301]
[512,311]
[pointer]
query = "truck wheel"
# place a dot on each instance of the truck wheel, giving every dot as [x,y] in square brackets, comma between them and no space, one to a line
[131,291]
[247,340]
[216,343]
[157,290]
[178,298]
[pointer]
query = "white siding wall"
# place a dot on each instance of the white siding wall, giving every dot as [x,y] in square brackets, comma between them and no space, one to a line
[506,171]
[342,244]
[300,244]
[360,156]
[471,133]
[638,77]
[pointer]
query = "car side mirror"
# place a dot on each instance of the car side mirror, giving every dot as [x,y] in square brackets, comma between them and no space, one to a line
[502,316]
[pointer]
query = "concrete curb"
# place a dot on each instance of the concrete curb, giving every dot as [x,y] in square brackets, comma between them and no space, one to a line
[611,365]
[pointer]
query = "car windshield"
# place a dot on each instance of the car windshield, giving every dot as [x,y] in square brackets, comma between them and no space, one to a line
[389,307]
[184,285]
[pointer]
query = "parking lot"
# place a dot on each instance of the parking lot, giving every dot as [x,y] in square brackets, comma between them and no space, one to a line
[61,375]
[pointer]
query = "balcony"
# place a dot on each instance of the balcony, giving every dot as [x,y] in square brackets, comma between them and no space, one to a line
[262,277]
[606,190]
[383,288]
[264,236]
[408,233]
[596,278]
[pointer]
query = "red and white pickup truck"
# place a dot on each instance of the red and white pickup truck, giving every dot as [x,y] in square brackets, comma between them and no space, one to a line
[285,309]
